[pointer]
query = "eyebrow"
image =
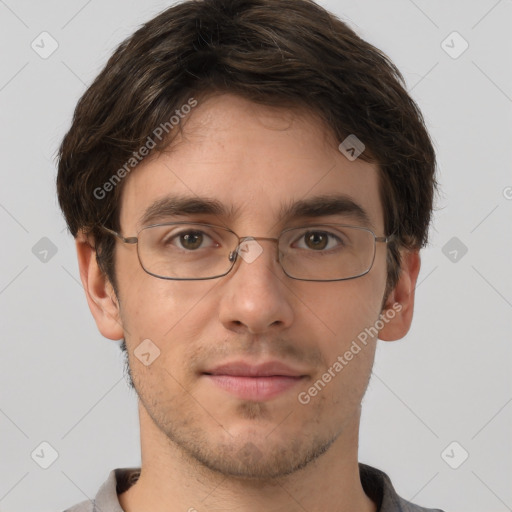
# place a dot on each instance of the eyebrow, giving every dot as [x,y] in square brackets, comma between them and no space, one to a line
[326,205]
[183,205]
[318,206]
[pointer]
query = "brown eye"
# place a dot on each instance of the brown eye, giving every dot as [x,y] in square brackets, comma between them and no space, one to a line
[316,240]
[191,240]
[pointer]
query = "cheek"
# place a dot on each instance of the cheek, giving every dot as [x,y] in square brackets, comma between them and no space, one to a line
[171,316]
[343,309]
[162,310]
[343,321]
[348,314]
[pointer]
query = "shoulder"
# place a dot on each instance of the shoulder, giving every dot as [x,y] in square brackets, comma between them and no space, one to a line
[407,506]
[84,506]
[377,485]
[106,499]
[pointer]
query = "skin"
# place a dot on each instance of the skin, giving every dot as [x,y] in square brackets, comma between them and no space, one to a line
[202,448]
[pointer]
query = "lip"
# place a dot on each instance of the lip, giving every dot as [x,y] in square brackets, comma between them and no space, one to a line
[257,382]
[245,369]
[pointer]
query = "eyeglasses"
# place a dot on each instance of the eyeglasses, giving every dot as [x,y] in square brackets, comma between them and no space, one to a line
[193,251]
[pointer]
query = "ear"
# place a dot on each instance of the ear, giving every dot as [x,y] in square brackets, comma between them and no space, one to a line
[99,292]
[399,307]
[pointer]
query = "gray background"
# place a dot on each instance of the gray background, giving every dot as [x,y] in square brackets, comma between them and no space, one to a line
[448,380]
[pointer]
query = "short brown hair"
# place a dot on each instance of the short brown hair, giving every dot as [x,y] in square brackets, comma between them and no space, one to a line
[274,52]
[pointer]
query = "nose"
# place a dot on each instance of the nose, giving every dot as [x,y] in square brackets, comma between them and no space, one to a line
[255,294]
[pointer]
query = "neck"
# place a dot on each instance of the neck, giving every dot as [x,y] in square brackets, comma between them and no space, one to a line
[172,481]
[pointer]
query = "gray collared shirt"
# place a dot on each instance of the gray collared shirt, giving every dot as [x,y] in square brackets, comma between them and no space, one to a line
[376,485]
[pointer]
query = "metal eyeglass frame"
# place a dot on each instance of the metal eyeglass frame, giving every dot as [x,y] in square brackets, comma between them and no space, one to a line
[233,255]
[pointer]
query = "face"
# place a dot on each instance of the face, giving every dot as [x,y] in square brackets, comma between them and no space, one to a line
[240,354]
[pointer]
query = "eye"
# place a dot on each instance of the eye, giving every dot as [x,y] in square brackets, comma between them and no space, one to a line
[318,240]
[190,240]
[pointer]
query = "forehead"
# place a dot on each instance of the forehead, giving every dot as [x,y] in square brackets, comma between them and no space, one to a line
[255,162]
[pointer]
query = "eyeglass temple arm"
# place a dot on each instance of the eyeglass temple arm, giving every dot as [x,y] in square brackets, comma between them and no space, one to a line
[385,239]
[128,240]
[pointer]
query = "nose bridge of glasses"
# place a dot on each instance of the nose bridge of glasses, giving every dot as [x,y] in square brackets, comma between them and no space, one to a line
[249,238]
[245,239]
[242,247]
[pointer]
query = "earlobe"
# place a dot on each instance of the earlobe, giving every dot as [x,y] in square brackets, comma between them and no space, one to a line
[99,292]
[398,312]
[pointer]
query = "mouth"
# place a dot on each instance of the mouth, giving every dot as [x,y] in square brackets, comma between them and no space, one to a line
[254,382]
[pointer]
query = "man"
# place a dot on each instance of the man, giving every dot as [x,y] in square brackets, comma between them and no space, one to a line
[249,186]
